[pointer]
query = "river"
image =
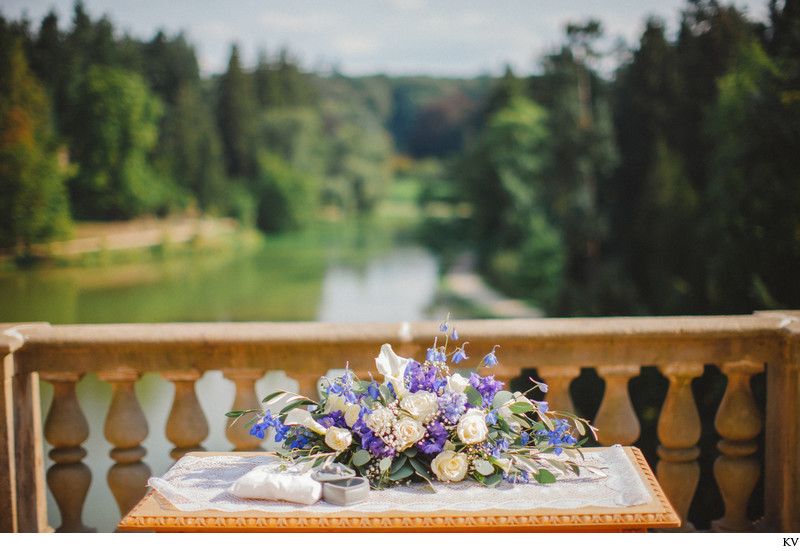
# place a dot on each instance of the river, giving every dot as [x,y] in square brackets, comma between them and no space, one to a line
[340,273]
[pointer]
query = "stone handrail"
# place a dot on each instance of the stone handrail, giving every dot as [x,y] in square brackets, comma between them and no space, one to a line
[617,348]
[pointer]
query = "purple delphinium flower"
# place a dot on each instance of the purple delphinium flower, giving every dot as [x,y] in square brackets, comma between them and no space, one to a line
[434,440]
[452,405]
[420,377]
[487,386]
[333,419]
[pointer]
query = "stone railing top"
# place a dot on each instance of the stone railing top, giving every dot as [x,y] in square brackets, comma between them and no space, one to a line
[321,346]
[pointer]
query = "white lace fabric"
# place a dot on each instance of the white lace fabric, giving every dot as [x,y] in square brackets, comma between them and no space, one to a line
[203,483]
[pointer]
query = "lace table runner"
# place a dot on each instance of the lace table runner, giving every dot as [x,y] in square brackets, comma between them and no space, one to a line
[202,483]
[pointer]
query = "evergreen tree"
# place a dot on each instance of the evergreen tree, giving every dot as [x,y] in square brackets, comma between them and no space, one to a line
[237,120]
[33,200]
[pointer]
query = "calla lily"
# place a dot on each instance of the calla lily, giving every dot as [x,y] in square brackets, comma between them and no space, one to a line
[393,369]
[303,417]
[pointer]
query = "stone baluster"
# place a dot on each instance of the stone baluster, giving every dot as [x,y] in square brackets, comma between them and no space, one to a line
[558,380]
[66,429]
[237,433]
[737,470]
[186,425]
[125,428]
[309,386]
[679,432]
[616,419]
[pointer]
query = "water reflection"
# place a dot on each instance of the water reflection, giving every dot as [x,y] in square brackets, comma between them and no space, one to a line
[399,285]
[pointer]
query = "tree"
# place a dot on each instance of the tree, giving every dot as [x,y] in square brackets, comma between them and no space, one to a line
[503,178]
[236,120]
[753,188]
[120,130]
[33,200]
[581,160]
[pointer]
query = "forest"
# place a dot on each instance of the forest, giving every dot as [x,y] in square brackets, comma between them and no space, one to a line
[666,186]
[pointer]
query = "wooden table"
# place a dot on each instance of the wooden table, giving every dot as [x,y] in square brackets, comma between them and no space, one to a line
[154,513]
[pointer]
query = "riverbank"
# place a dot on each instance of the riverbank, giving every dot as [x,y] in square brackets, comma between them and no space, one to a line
[463,283]
[105,240]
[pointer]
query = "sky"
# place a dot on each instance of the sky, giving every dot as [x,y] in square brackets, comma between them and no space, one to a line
[451,38]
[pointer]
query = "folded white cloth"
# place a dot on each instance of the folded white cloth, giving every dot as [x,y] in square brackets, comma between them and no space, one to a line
[265,483]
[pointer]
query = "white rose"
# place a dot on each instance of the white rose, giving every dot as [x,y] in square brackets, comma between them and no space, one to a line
[472,428]
[334,402]
[338,439]
[450,466]
[421,405]
[379,420]
[457,383]
[351,414]
[407,431]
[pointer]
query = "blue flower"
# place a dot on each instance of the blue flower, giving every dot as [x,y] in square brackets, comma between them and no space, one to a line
[459,355]
[490,359]
[454,334]
[374,390]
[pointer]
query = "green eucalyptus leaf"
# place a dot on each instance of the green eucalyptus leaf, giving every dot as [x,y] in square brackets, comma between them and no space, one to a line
[412,451]
[544,477]
[385,463]
[419,467]
[493,481]
[386,394]
[361,458]
[520,407]
[398,464]
[404,472]
[473,396]
[484,467]
[502,397]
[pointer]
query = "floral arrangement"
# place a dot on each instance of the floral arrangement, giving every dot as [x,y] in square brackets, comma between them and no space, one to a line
[423,422]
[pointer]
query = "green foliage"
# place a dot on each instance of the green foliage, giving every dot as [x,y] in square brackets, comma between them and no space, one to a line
[284,197]
[235,109]
[754,177]
[33,199]
[120,129]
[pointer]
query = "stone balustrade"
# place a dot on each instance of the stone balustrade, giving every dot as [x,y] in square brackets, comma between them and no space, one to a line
[617,349]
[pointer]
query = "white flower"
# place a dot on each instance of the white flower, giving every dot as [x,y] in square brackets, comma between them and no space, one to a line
[421,405]
[457,383]
[338,439]
[379,420]
[471,428]
[303,417]
[334,402]
[450,466]
[393,369]
[407,431]
[351,414]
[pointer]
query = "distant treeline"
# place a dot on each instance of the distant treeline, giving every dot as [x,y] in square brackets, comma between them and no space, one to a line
[669,187]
